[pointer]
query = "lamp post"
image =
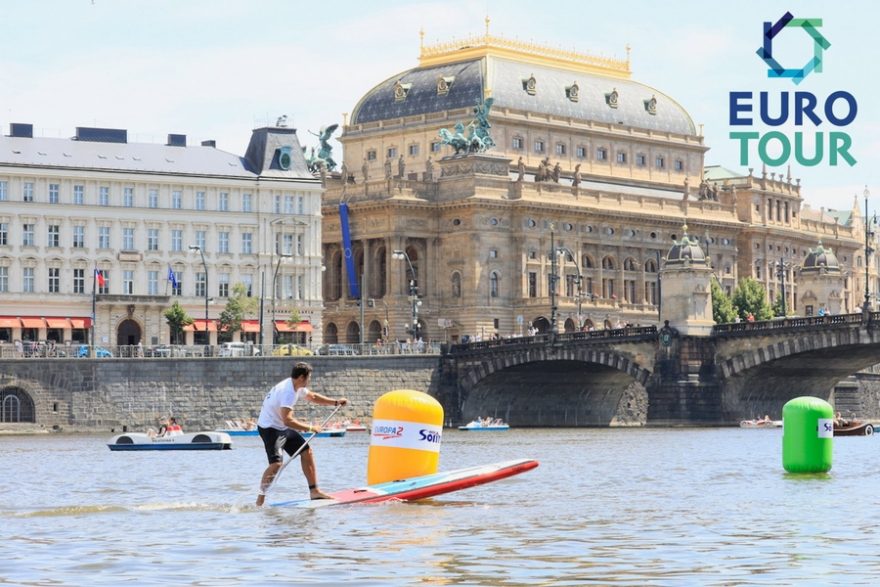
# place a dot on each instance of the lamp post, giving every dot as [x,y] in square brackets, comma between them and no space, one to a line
[553,278]
[205,266]
[413,292]
[281,257]
[568,254]
[866,308]
[781,268]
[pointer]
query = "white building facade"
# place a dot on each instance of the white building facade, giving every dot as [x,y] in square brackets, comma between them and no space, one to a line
[138,213]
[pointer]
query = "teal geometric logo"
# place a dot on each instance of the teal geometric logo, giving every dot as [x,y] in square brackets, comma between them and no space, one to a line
[809,25]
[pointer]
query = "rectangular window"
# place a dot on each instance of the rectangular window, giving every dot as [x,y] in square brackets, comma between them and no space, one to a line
[27,235]
[247,243]
[601,154]
[201,239]
[79,236]
[223,242]
[127,239]
[300,205]
[177,199]
[127,282]
[299,244]
[629,291]
[287,244]
[28,192]
[103,237]
[223,202]
[560,149]
[651,292]
[277,204]
[435,146]
[4,233]
[533,284]
[581,152]
[679,165]
[413,150]
[200,200]
[223,285]
[152,239]
[54,236]
[391,153]
[201,284]
[300,287]
[79,195]
[105,289]
[288,204]
[248,281]
[27,278]
[371,155]
[659,162]
[178,278]
[79,281]
[54,191]
[539,146]
[287,287]
[641,160]
[621,157]
[104,196]
[176,240]
[4,279]
[153,283]
[517,143]
[246,204]
[128,197]
[153,198]
[3,192]
[54,279]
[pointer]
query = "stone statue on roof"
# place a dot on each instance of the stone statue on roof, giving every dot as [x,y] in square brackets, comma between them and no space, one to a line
[324,151]
[476,138]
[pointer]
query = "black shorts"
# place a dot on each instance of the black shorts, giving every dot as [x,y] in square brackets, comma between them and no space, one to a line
[275,441]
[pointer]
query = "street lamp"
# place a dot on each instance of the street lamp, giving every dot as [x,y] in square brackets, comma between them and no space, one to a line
[413,292]
[553,278]
[866,308]
[781,268]
[205,266]
[580,278]
[281,257]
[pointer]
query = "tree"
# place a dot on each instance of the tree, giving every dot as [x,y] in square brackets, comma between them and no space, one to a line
[777,307]
[177,318]
[723,311]
[750,298]
[237,307]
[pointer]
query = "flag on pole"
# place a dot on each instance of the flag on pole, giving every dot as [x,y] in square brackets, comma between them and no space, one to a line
[172,278]
[99,275]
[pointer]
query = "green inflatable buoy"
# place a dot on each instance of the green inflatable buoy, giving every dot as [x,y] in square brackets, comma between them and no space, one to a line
[807,435]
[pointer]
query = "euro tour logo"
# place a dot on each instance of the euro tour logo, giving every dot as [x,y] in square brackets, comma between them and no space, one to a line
[803,109]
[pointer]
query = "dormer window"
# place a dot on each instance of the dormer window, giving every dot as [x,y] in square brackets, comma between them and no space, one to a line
[283,154]
[611,98]
[651,106]
[573,92]
[530,85]
[444,83]
[400,91]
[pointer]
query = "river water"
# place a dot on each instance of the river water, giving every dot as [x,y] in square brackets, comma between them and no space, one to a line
[606,506]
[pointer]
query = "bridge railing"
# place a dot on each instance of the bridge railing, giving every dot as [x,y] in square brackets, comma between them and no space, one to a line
[741,328]
[629,333]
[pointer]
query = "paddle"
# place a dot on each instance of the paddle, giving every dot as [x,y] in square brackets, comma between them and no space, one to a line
[299,450]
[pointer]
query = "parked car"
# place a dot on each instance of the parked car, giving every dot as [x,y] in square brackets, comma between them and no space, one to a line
[100,352]
[291,350]
[336,349]
[238,349]
[162,350]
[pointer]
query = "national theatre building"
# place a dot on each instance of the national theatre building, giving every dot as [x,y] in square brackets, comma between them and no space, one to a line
[592,177]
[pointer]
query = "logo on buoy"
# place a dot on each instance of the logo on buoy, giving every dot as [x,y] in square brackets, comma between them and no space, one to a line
[429,436]
[387,432]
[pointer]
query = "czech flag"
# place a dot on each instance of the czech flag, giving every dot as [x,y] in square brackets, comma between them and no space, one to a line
[99,275]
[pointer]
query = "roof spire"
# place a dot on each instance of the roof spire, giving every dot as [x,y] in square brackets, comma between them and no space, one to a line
[487,26]
[421,39]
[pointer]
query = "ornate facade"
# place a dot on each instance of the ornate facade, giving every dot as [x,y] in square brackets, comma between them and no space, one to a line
[588,163]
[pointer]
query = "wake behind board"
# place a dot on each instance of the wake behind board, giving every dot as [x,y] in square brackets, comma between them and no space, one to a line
[420,487]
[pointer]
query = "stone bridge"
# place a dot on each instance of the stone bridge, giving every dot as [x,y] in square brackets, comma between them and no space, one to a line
[637,376]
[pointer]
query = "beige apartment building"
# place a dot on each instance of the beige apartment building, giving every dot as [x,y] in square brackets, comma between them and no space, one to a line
[139,213]
[588,162]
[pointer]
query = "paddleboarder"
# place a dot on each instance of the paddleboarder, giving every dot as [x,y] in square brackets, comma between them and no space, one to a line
[280,430]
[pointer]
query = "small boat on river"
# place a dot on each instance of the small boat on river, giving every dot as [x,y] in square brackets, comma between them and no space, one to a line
[765,423]
[485,425]
[187,441]
[325,433]
[355,426]
[853,428]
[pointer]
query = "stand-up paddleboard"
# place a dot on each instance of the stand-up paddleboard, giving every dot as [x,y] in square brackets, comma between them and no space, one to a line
[420,487]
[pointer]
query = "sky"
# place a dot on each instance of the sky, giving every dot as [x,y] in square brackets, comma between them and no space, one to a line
[217,69]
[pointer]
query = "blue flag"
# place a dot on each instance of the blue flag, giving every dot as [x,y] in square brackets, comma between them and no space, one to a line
[171,277]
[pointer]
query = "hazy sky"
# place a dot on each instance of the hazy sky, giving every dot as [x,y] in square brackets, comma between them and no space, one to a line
[216,69]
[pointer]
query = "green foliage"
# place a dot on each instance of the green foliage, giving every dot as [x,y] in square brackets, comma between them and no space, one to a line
[723,311]
[750,297]
[294,317]
[777,307]
[237,307]
[177,318]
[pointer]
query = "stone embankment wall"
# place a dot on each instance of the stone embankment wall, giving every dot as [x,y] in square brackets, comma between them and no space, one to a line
[107,395]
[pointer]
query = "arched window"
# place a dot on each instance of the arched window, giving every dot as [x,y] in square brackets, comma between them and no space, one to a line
[493,284]
[629,264]
[586,262]
[331,334]
[456,285]
[650,266]
[608,263]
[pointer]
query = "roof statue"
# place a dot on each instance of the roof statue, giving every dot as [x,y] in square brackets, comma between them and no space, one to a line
[323,158]
[473,138]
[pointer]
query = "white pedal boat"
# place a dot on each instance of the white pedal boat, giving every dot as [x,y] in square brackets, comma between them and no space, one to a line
[186,441]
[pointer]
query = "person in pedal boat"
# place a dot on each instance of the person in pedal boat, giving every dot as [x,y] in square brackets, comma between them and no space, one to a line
[173,428]
[280,430]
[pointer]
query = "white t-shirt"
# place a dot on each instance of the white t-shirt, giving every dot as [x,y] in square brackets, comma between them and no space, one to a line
[281,396]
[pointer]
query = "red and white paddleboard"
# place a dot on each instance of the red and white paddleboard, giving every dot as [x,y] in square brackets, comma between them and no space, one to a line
[420,487]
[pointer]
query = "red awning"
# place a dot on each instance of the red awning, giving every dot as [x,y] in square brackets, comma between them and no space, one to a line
[58,322]
[250,326]
[199,326]
[285,326]
[8,322]
[81,322]
[33,322]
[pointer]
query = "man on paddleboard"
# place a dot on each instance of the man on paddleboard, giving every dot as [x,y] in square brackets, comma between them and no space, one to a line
[281,431]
